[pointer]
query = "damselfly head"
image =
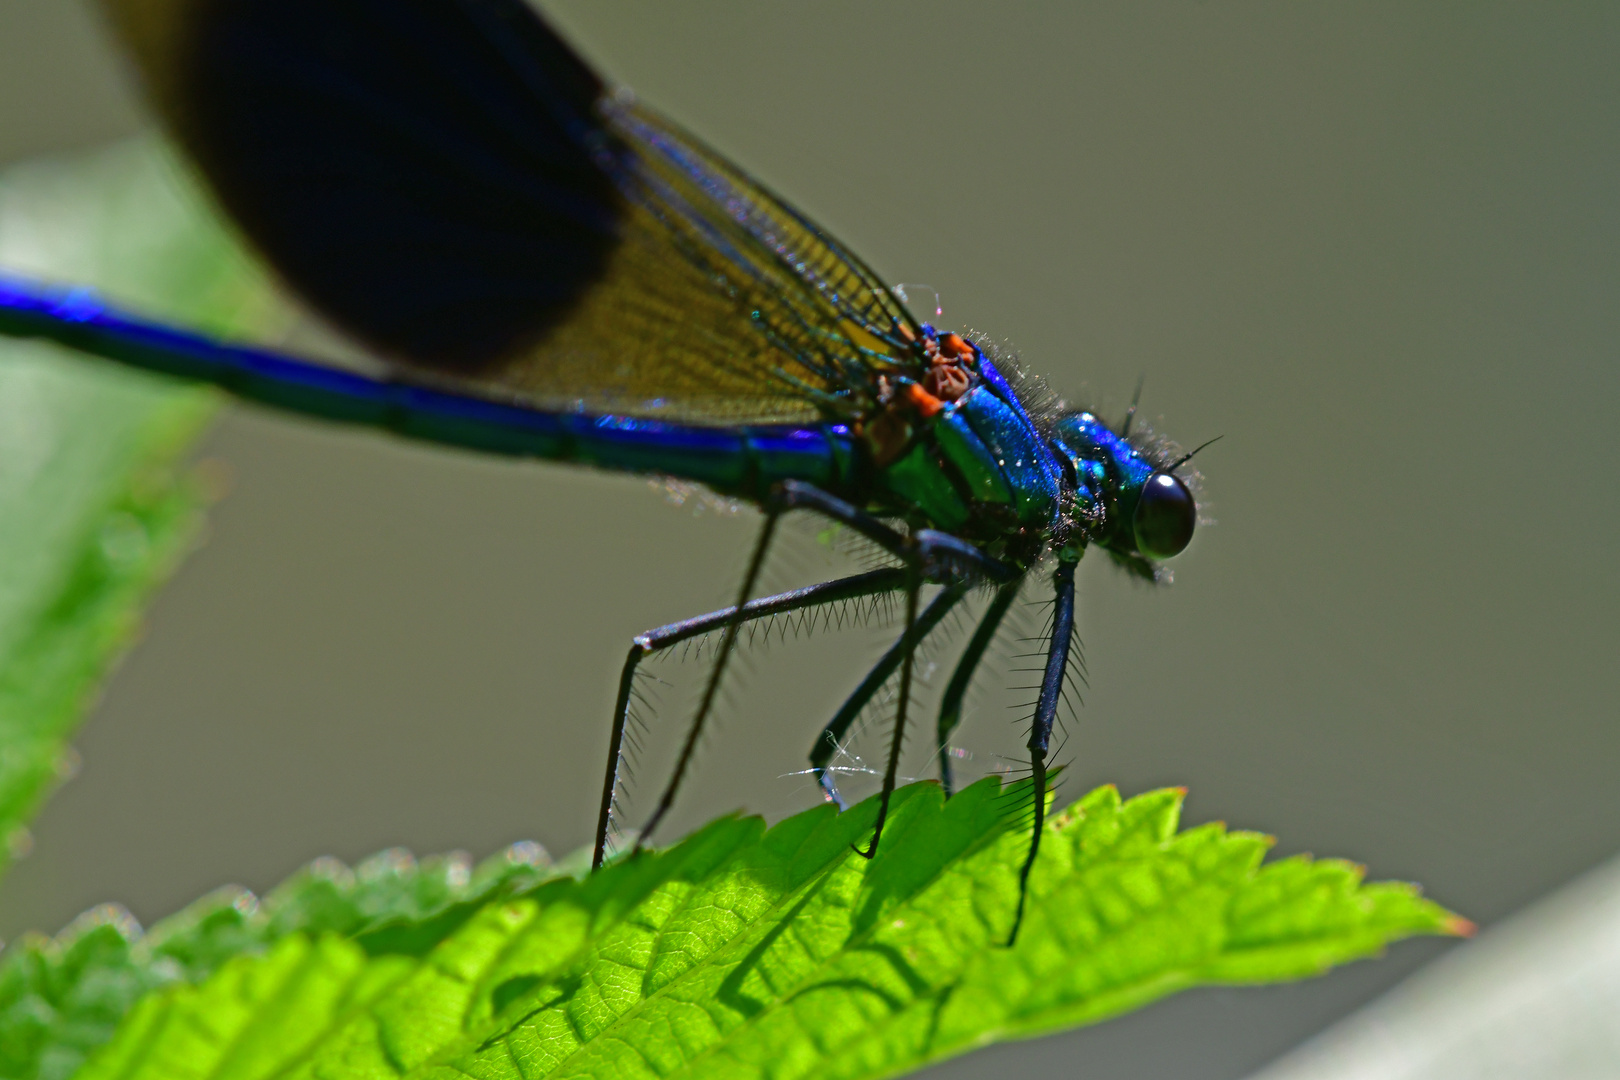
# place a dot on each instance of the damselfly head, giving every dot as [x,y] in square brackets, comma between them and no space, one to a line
[1129,504]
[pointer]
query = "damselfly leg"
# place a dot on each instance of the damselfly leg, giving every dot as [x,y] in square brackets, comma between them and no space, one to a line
[950,709]
[859,586]
[939,556]
[833,735]
[926,555]
[898,739]
[950,703]
[728,642]
[1040,733]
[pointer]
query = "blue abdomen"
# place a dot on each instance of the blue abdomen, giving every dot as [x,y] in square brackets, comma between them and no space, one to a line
[743,461]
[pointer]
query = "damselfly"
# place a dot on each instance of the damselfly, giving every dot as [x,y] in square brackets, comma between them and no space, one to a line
[549,268]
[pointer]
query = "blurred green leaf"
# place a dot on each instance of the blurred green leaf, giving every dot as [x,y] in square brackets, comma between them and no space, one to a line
[95,505]
[743,951]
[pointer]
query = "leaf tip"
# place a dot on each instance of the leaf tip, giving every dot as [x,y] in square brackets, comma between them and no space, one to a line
[1457,926]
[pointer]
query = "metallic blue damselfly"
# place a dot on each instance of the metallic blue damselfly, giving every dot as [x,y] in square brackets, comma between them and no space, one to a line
[550,269]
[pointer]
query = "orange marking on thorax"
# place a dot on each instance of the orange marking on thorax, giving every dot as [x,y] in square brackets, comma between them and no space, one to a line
[953,345]
[926,404]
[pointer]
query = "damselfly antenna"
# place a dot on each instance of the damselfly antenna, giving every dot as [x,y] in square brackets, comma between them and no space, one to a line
[1130,413]
[1184,458]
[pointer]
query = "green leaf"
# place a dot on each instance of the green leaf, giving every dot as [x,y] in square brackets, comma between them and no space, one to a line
[95,508]
[743,951]
[62,998]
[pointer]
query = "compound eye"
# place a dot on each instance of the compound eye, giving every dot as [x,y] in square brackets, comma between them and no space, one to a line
[1165,517]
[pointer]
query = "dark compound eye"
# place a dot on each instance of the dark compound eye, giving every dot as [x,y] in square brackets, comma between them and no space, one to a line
[1164,517]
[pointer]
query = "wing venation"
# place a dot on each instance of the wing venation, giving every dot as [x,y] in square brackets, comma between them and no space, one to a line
[450,184]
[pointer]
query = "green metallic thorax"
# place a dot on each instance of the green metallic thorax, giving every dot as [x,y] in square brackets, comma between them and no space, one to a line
[975,470]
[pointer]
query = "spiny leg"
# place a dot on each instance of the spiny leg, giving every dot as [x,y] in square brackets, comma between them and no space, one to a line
[1040,734]
[937,555]
[837,728]
[727,643]
[950,705]
[890,579]
[929,554]
[899,737]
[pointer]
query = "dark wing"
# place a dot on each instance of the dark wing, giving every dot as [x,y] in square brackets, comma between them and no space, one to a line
[448,182]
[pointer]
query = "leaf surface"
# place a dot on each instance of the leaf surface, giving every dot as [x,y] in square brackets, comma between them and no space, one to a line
[747,952]
[63,997]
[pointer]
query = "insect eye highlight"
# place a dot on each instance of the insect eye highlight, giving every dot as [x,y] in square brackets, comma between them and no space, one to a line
[1165,517]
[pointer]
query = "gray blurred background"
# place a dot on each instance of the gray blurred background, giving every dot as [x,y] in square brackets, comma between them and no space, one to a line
[1375,246]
